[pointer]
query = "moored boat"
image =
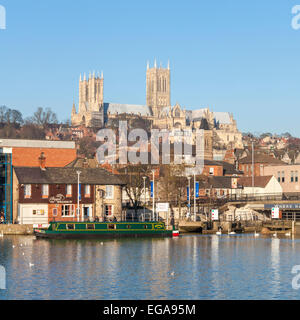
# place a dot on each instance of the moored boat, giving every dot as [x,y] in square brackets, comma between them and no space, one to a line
[67,230]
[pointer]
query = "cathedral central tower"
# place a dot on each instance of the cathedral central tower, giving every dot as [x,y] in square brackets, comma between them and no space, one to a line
[158,94]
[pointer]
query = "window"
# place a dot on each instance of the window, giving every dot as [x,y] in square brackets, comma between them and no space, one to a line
[45,190]
[292,176]
[90,227]
[87,190]
[54,212]
[111,226]
[27,191]
[211,171]
[69,190]
[70,227]
[109,191]
[108,210]
[282,176]
[296,176]
[67,210]
[278,176]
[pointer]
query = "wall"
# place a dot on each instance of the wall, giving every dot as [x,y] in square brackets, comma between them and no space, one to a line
[287,185]
[273,187]
[27,215]
[218,170]
[28,157]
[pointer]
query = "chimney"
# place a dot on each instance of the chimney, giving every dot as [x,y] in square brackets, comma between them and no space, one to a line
[42,161]
[85,163]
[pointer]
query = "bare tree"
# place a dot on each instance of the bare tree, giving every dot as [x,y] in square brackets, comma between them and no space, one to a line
[43,118]
[133,175]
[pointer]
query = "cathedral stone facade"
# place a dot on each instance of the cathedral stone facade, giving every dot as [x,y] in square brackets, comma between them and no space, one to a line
[94,112]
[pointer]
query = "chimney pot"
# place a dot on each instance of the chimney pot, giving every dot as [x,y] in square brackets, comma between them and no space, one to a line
[42,161]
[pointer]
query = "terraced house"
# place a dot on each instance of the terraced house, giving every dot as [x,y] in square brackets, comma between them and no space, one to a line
[46,194]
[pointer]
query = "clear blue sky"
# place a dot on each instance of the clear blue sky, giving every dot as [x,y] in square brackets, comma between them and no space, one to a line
[237,56]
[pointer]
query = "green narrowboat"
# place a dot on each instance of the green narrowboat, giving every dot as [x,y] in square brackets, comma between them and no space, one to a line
[77,230]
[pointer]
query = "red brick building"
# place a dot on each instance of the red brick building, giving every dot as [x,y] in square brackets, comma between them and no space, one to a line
[46,194]
[260,161]
[26,153]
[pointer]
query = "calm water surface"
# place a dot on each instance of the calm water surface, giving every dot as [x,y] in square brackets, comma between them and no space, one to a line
[191,267]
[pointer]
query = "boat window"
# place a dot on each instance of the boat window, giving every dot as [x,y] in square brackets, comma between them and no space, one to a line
[70,226]
[145,226]
[111,226]
[128,226]
[90,226]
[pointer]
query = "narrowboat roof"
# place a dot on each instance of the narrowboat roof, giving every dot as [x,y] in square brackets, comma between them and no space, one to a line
[94,176]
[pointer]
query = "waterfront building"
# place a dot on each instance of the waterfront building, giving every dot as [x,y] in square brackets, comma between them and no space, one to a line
[263,186]
[287,176]
[26,153]
[43,194]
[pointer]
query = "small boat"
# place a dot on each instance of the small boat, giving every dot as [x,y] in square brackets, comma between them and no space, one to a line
[77,230]
[288,234]
[256,234]
[219,233]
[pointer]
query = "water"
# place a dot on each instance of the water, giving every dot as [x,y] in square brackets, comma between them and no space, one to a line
[191,267]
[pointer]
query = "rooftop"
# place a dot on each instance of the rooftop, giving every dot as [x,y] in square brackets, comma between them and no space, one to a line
[95,176]
[24,143]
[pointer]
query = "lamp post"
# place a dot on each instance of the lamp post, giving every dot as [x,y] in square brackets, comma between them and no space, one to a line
[153,208]
[144,196]
[78,195]
[195,197]
[189,178]
[253,168]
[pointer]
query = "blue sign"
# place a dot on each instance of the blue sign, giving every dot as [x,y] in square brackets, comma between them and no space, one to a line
[152,188]
[197,189]
[79,191]
[188,193]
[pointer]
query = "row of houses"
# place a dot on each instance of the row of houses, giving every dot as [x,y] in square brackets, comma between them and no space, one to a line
[40,181]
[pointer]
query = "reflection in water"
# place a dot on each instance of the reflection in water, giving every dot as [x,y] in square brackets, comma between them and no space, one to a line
[275,265]
[189,267]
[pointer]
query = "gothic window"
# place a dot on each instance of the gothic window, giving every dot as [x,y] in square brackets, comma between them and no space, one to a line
[177,113]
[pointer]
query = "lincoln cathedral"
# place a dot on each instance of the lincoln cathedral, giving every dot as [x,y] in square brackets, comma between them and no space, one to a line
[94,112]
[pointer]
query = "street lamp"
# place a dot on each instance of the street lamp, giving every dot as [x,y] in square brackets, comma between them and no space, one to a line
[78,196]
[144,195]
[189,178]
[253,168]
[195,219]
[153,196]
